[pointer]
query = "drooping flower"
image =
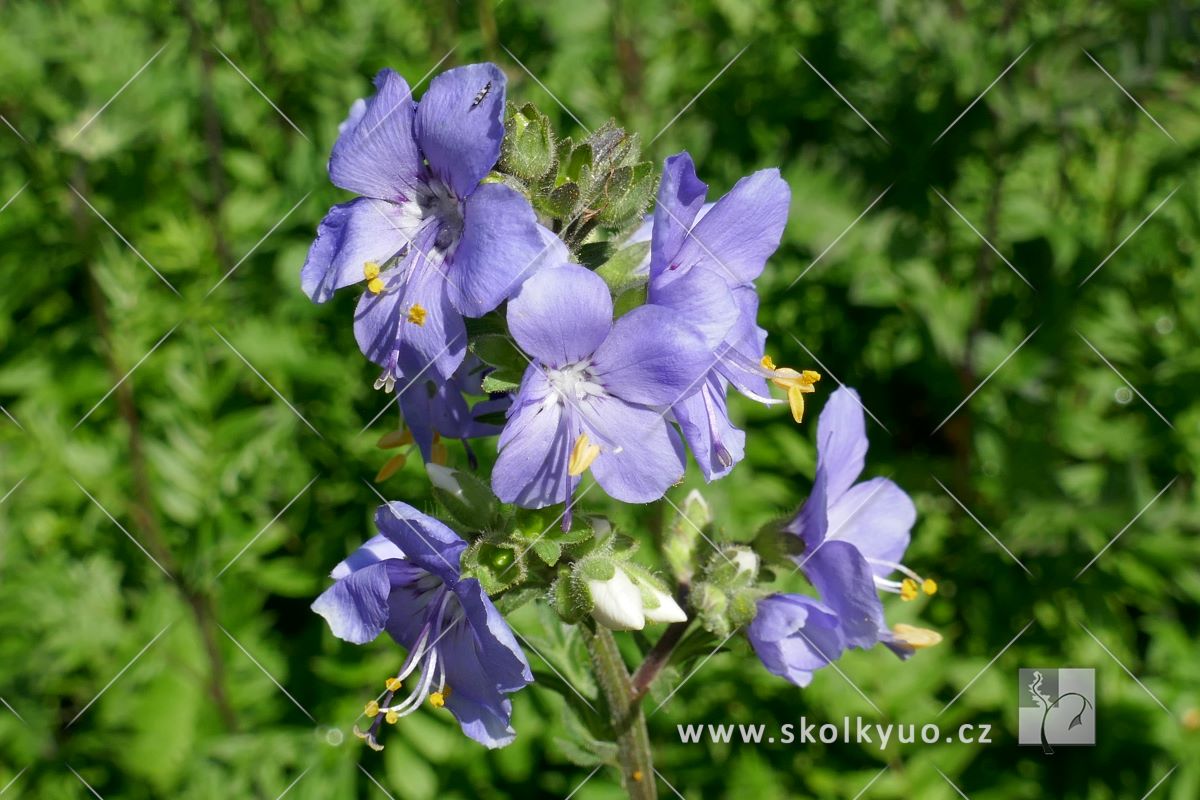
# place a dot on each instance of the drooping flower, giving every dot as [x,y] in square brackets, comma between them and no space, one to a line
[704,260]
[431,240]
[795,635]
[595,394]
[855,534]
[461,653]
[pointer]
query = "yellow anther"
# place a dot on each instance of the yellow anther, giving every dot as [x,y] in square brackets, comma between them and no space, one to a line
[416,314]
[395,438]
[914,637]
[370,270]
[637,776]
[908,589]
[438,454]
[375,286]
[393,684]
[582,456]
[392,466]
[796,384]
[437,699]
[929,586]
[372,709]
[392,717]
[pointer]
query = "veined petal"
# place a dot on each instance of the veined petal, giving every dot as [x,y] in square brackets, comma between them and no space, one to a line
[846,584]
[641,455]
[742,230]
[356,606]
[426,542]
[876,517]
[680,196]
[812,521]
[351,235]
[377,548]
[841,441]
[460,124]
[412,320]
[375,154]
[795,635]
[501,246]
[498,647]
[531,468]
[704,419]
[560,316]
[701,298]
[482,710]
[652,357]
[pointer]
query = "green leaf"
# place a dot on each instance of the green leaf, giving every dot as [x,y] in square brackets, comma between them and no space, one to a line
[501,381]
[621,271]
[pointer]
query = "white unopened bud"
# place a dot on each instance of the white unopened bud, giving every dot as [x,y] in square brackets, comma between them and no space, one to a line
[617,602]
[667,609]
[443,478]
[745,561]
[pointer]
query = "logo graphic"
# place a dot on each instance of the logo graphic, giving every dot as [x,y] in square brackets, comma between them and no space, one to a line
[1057,707]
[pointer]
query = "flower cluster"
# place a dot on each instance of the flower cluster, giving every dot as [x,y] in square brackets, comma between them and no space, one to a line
[514,287]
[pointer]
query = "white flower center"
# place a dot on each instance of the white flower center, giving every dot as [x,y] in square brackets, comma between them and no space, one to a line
[574,383]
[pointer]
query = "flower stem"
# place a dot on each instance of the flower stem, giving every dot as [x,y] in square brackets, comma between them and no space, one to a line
[657,658]
[624,713]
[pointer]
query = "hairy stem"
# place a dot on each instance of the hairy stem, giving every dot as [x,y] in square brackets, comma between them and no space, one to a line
[625,714]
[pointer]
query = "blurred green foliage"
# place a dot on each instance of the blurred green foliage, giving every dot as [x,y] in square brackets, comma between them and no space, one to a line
[200,456]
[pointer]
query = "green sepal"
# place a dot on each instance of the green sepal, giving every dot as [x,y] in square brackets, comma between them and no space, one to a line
[496,565]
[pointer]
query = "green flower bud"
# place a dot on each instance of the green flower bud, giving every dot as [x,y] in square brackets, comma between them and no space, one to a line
[528,147]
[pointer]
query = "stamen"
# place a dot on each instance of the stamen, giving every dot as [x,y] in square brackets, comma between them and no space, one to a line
[375,286]
[929,586]
[908,589]
[416,315]
[582,456]
[437,700]
[386,381]
[914,637]
[797,384]
[393,684]
[391,467]
[372,709]
[370,270]
[396,438]
[392,717]
[369,738]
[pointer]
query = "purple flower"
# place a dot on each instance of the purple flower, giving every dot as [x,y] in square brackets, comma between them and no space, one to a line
[855,534]
[595,394]
[432,242]
[461,652]
[794,636]
[704,260]
[435,409]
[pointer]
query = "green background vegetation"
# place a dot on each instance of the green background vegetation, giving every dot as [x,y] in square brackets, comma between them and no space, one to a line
[196,458]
